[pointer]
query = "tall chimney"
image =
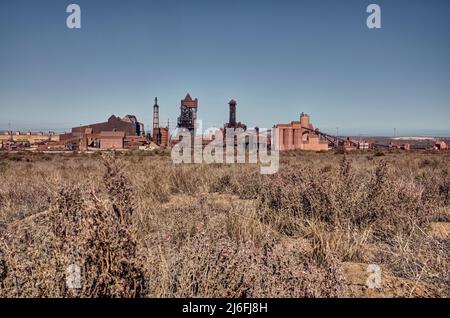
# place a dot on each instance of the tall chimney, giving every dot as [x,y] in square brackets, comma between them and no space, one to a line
[232,120]
[156,114]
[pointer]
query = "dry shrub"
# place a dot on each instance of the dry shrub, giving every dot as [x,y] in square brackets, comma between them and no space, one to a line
[212,246]
[224,184]
[220,267]
[436,187]
[151,228]
[433,163]
[350,244]
[3,269]
[22,195]
[242,182]
[342,198]
[89,229]
[242,225]
[345,214]
[419,257]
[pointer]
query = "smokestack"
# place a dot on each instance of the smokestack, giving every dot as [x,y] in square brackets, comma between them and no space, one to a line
[156,114]
[232,120]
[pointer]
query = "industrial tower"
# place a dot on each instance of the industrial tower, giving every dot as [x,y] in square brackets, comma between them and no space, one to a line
[232,123]
[188,113]
[160,134]
[232,120]
[156,114]
[156,130]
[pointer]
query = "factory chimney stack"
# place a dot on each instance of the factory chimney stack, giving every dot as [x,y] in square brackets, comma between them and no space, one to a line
[156,114]
[232,120]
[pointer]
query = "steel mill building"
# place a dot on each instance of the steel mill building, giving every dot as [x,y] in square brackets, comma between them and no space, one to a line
[115,133]
[300,135]
[128,124]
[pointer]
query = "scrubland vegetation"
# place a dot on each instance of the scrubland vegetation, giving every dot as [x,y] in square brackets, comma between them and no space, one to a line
[139,226]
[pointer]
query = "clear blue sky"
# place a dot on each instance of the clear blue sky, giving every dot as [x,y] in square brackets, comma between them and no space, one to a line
[276,58]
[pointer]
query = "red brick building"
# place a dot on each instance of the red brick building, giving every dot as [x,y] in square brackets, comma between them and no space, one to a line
[127,124]
[116,133]
[299,135]
[441,145]
[161,136]
[111,140]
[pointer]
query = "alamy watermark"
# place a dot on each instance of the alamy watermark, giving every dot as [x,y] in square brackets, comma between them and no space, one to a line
[228,146]
[73,277]
[73,21]
[374,19]
[374,279]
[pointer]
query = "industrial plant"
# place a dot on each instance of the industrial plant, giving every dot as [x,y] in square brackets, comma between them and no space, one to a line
[188,113]
[128,133]
[300,135]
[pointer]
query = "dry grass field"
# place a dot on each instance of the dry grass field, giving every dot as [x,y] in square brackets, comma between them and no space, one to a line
[139,226]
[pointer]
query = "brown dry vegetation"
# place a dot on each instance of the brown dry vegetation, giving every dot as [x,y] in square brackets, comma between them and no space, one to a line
[138,226]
